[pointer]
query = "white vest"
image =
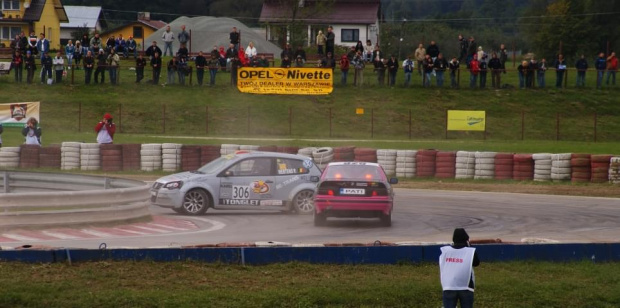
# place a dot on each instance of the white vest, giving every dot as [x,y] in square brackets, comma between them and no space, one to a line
[455,267]
[31,138]
[103,136]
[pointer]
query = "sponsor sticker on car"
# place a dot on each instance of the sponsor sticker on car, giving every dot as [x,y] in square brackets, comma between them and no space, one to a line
[352,191]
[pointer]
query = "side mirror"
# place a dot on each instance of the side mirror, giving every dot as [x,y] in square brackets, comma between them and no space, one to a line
[393,181]
[314,179]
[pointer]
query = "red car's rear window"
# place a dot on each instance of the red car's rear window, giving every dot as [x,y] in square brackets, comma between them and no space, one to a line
[354,172]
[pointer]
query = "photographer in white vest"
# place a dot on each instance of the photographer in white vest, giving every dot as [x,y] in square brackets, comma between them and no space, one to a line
[456,264]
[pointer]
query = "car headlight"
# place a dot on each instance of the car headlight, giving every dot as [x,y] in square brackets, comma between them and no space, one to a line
[174,185]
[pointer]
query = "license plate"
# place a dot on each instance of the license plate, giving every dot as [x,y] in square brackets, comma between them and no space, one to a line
[352,191]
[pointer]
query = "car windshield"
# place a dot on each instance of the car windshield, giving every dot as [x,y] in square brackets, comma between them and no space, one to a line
[214,165]
[355,172]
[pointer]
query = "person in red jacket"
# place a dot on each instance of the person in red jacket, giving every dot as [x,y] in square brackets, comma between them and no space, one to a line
[612,68]
[474,70]
[105,130]
[344,68]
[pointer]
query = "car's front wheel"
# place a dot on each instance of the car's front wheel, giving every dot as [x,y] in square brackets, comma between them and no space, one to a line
[195,202]
[303,203]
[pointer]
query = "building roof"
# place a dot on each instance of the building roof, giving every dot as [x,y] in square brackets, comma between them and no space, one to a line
[153,24]
[82,16]
[323,12]
[33,13]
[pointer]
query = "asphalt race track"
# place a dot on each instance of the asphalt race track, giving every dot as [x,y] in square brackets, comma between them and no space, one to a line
[419,216]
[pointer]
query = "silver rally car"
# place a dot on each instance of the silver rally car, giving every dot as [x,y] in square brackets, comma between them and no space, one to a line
[242,181]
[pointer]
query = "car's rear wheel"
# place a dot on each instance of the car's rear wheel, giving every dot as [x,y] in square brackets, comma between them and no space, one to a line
[303,203]
[195,202]
[386,220]
[319,219]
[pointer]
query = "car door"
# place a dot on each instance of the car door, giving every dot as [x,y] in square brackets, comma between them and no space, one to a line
[290,173]
[247,183]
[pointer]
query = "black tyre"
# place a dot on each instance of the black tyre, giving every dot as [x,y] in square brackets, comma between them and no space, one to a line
[386,220]
[319,219]
[303,203]
[195,202]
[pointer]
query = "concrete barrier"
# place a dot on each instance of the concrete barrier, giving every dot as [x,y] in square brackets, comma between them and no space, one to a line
[29,199]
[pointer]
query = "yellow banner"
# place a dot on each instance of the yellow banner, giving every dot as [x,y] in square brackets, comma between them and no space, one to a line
[472,120]
[17,114]
[296,81]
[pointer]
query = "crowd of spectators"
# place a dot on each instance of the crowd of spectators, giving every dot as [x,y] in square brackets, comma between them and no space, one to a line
[98,57]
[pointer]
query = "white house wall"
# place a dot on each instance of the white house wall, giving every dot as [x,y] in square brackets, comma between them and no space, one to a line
[365,33]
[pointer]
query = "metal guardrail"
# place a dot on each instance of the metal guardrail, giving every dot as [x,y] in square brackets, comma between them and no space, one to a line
[29,199]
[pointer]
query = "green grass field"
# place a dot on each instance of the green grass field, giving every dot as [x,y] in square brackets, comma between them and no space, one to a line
[548,120]
[195,284]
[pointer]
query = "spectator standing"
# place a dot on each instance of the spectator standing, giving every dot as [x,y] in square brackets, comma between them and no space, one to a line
[433,50]
[213,67]
[250,52]
[286,62]
[359,46]
[463,45]
[24,43]
[474,71]
[110,44]
[471,50]
[522,69]
[150,52]
[358,63]
[440,65]
[503,57]
[231,53]
[600,64]
[377,55]
[456,264]
[77,54]
[69,52]
[59,66]
[429,67]
[46,68]
[168,38]
[32,43]
[234,38]
[408,70]
[183,52]
[121,46]
[182,69]
[31,66]
[560,70]
[300,52]
[105,130]
[32,132]
[17,64]
[113,63]
[156,65]
[183,36]
[84,43]
[392,65]
[201,63]
[172,70]
[140,64]
[480,53]
[420,56]
[89,63]
[43,46]
[16,43]
[101,66]
[496,68]
[540,73]
[484,68]
[321,39]
[235,64]
[582,67]
[132,47]
[612,68]
[330,40]
[344,69]
[222,58]
[454,67]
[95,44]
[368,48]
[531,71]
[380,69]
[287,51]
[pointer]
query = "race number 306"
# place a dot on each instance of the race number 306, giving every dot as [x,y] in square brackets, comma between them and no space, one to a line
[241,192]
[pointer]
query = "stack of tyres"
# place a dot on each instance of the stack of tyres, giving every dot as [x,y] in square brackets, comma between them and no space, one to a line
[387,159]
[29,156]
[288,150]
[9,157]
[70,155]
[581,171]
[90,156]
[614,170]
[267,148]
[368,155]
[344,154]
[465,165]
[150,157]
[542,166]
[50,157]
[600,168]
[307,152]
[250,148]
[111,157]
[485,166]
[229,149]
[323,156]
[445,165]
[171,156]
[131,156]
[405,163]
[504,165]
[425,163]
[560,167]
[190,157]
[523,167]
[209,153]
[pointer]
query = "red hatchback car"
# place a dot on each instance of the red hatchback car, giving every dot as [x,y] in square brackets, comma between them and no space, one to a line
[354,189]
